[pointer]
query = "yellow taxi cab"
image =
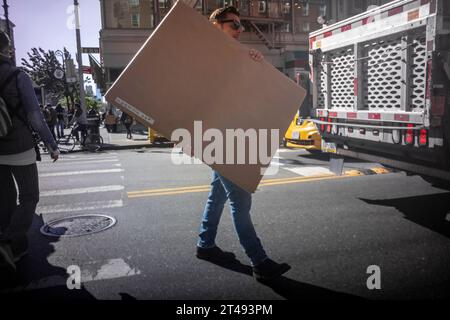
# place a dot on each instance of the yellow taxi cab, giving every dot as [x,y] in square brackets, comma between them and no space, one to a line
[302,133]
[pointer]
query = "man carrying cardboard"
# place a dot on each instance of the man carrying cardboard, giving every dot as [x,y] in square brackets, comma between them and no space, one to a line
[227,19]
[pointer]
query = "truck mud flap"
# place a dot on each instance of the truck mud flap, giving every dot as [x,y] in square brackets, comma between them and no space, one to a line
[336,164]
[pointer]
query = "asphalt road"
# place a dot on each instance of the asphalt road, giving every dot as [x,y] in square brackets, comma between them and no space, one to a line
[329,229]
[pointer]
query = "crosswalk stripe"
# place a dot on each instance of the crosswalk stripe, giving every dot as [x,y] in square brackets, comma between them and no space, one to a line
[308,171]
[288,150]
[85,162]
[64,192]
[80,206]
[79,159]
[73,173]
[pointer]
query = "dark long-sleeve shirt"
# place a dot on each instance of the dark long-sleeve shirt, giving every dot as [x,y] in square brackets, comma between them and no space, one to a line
[31,106]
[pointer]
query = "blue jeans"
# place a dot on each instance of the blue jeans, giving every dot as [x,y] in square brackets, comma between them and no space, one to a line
[240,204]
[60,128]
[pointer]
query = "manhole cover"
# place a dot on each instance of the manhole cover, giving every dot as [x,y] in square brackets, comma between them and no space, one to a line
[78,225]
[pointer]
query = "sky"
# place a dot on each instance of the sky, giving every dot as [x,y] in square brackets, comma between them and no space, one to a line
[48,24]
[45,24]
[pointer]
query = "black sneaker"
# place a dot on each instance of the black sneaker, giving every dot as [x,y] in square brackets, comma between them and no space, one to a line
[269,269]
[215,254]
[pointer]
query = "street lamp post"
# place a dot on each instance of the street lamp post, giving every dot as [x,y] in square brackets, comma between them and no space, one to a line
[8,28]
[83,119]
[66,88]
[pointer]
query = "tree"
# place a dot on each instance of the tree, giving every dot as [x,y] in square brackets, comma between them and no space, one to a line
[42,66]
[92,103]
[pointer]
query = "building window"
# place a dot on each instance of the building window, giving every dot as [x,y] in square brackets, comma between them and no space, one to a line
[306,27]
[262,6]
[114,73]
[135,20]
[323,10]
[305,9]
[287,27]
[134,3]
[118,14]
[287,8]
[229,3]
[152,21]
[163,4]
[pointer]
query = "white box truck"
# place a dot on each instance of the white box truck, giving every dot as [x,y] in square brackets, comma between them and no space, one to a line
[381,88]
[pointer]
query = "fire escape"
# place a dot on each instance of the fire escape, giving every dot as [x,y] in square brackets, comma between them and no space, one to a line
[271,42]
[265,20]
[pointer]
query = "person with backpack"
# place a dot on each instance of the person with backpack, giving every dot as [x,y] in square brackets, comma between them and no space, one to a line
[19,117]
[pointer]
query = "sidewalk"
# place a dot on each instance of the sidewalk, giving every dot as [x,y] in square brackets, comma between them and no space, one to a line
[118,141]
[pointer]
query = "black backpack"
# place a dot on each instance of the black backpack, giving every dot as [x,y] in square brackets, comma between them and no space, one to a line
[6,112]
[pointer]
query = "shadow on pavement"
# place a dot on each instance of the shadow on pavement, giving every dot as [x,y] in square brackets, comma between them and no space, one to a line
[295,290]
[429,211]
[126,297]
[291,289]
[36,278]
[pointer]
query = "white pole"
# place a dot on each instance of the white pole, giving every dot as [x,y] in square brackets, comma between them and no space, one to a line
[80,63]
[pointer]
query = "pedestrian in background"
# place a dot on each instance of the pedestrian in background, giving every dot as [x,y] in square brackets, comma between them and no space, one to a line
[80,127]
[59,120]
[51,119]
[70,114]
[18,160]
[127,121]
[227,20]
[93,120]
[111,121]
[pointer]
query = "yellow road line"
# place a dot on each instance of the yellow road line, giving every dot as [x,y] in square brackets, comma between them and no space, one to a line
[166,189]
[294,178]
[265,182]
[316,178]
[204,188]
[191,190]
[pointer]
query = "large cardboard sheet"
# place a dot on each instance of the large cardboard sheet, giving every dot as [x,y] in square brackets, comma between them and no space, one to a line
[188,70]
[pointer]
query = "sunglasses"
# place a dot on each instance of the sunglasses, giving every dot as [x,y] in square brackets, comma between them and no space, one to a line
[236,24]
